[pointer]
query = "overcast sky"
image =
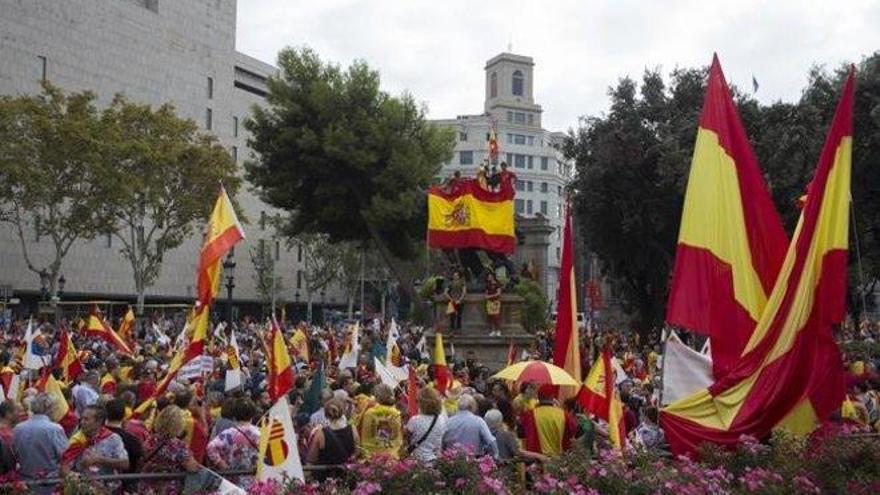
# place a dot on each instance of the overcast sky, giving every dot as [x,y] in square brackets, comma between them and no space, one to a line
[437,49]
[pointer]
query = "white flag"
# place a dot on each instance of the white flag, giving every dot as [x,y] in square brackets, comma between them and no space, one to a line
[233,356]
[620,376]
[685,370]
[278,456]
[385,374]
[161,338]
[350,356]
[33,360]
[399,372]
[227,488]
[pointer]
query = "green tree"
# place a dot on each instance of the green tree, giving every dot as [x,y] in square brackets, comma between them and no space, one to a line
[52,170]
[344,158]
[164,180]
[268,283]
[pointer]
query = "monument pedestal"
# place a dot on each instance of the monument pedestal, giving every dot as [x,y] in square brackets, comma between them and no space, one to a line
[475,328]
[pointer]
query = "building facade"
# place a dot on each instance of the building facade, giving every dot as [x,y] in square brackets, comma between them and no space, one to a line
[532,152]
[153,51]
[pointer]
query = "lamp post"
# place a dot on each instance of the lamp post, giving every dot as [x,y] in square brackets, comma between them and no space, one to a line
[229,273]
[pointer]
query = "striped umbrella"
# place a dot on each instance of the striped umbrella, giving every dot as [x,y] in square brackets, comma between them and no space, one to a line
[537,372]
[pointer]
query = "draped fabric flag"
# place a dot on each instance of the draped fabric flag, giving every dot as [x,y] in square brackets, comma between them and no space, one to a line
[349,357]
[464,215]
[63,414]
[281,378]
[393,359]
[79,443]
[126,328]
[790,373]
[96,326]
[385,375]
[442,373]
[731,243]
[278,457]
[233,360]
[566,348]
[599,396]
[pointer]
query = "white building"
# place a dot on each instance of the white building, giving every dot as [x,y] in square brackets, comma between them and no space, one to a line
[153,51]
[532,152]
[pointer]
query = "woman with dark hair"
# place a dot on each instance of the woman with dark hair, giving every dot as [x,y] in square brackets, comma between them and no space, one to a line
[333,445]
[236,448]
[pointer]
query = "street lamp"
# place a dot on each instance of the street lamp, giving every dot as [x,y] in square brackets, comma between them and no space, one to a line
[61,283]
[229,273]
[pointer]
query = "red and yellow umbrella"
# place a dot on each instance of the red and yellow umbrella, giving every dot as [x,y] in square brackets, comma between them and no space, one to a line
[537,372]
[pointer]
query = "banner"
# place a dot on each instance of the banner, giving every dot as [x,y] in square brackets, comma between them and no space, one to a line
[464,215]
[685,370]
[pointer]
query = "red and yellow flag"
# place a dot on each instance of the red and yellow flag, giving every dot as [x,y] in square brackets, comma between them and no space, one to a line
[442,373]
[126,328]
[67,358]
[281,377]
[96,326]
[599,396]
[299,343]
[790,372]
[467,216]
[566,348]
[731,243]
[223,232]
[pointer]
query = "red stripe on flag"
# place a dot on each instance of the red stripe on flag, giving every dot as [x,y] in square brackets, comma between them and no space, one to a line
[456,239]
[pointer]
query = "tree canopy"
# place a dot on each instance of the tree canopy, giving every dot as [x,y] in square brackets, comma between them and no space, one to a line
[632,166]
[344,158]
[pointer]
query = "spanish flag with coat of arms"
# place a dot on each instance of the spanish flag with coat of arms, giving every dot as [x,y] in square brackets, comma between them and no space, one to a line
[790,373]
[465,215]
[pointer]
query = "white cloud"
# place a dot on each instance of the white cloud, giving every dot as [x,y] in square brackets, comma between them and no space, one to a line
[437,50]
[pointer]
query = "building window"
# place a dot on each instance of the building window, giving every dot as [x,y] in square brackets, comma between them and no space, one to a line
[517,83]
[209,119]
[509,138]
[531,162]
[299,254]
[519,139]
[44,65]
[466,157]
[277,250]
[509,116]
[234,126]
[518,205]
[531,119]
[528,207]
[462,136]
[530,140]
[559,190]
[210,88]
[235,154]
[509,158]
[493,85]
[519,161]
[262,220]
[519,118]
[544,162]
[544,187]
[557,253]
[520,185]
[544,208]
[531,185]
[299,279]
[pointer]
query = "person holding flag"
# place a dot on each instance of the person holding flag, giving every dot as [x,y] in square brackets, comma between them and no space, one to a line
[94,449]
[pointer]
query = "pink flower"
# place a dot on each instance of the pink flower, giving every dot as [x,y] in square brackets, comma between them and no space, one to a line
[487,465]
[367,488]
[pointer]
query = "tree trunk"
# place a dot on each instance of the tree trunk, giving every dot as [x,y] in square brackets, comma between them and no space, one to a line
[350,307]
[140,288]
[404,281]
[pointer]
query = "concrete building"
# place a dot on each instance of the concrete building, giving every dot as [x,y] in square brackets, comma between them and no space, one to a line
[532,152]
[153,51]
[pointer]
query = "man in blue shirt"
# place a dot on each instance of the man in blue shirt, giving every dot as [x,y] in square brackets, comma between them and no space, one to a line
[466,429]
[39,443]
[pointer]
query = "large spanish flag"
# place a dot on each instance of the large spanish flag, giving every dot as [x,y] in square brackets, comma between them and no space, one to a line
[96,326]
[731,243]
[223,232]
[790,372]
[566,348]
[464,215]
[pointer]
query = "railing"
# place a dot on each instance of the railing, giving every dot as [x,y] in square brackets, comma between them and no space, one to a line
[157,476]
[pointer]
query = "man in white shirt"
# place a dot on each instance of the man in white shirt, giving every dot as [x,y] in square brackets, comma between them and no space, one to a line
[85,393]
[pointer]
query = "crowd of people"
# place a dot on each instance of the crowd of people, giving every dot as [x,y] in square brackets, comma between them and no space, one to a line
[340,415]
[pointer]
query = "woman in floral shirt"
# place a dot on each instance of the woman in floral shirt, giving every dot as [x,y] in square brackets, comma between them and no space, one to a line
[236,447]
